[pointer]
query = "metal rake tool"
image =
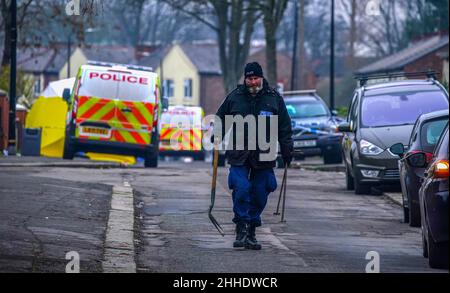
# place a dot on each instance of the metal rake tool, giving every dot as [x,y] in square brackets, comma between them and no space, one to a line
[213,193]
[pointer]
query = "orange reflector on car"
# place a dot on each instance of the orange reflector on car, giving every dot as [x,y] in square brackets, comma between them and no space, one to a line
[441,169]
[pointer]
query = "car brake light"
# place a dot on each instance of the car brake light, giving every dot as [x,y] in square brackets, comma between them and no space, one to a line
[428,156]
[440,169]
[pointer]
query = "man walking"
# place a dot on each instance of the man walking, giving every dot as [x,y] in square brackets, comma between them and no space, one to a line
[252,178]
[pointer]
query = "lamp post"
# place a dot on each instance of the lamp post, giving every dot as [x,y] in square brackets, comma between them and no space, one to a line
[69,49]
[12,80]
[332,58]
[294,49]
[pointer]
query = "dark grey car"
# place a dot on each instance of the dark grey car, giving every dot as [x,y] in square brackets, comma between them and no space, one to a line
[380,116]
[314,126]
[426,132]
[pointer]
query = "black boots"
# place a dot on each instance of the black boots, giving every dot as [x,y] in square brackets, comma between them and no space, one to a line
[246,237]
[241,235]
[251,242]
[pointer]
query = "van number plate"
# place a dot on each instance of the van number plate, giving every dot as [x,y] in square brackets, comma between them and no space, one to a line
[96,131]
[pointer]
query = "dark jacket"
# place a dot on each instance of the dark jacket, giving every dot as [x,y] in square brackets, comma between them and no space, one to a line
[267,102]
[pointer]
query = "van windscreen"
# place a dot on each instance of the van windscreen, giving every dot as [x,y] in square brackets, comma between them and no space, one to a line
[400,108]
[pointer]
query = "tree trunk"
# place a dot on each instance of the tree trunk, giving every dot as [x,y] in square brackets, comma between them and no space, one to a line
[273,11]
[351,53]
[271,52]
[233,48]
[300,82]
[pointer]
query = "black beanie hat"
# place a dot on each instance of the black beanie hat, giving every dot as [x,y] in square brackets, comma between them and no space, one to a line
[253,69]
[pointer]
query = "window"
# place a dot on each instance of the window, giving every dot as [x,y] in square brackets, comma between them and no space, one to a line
[400,108]
[306,109]
[431,132]
[188,88]
[168,88]
[37,86]
[122,86]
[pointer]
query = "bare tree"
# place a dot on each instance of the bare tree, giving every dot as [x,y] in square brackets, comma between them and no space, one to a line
[5,6]
[350,8]
[301,45]
[233,22]
[272,11]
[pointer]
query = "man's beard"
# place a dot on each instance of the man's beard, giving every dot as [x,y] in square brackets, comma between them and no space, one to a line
[254,89]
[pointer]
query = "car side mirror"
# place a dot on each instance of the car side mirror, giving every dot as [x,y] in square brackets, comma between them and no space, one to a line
[165,103]
[344,127]
[417,160]
[66,95]
[398,149]
[334,112]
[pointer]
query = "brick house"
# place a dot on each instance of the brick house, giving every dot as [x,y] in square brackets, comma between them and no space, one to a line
[427,54]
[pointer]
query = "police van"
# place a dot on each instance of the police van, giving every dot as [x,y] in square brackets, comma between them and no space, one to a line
[181,132]
[114,109]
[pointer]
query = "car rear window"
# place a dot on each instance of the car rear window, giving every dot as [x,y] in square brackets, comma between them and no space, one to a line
[442,151]
[306,109]
[401,108]
[431,132]
[117,85]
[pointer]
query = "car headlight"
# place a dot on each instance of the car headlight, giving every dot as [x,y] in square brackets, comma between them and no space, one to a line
[368,148]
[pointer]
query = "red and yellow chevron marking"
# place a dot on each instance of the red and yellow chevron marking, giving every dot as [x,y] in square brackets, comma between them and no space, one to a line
[131,126]
[185,140]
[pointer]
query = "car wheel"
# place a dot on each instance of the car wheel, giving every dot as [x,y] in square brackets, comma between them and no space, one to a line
[424,245]
[437,253]
[350,182]
[332,158]
[361,188]
[405,215]
[414,214]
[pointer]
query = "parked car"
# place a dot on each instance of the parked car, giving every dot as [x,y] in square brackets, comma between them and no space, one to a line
[314,126]
[424,136]
[379,116]
[433,200]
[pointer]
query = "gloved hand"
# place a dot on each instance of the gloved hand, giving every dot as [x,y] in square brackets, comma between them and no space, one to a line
[286,154]
[287,159]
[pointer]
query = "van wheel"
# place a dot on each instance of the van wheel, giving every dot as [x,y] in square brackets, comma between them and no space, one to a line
[200,156]
[361,188]
[69,150]
[437,253]
[414,214]
[151,160]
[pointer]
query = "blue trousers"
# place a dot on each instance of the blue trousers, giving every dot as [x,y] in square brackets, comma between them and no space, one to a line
[251,189]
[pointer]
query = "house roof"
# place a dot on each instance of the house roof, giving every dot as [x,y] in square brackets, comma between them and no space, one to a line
[42,59]
[154,58]
[406,56]
[113,54]
[205,57]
